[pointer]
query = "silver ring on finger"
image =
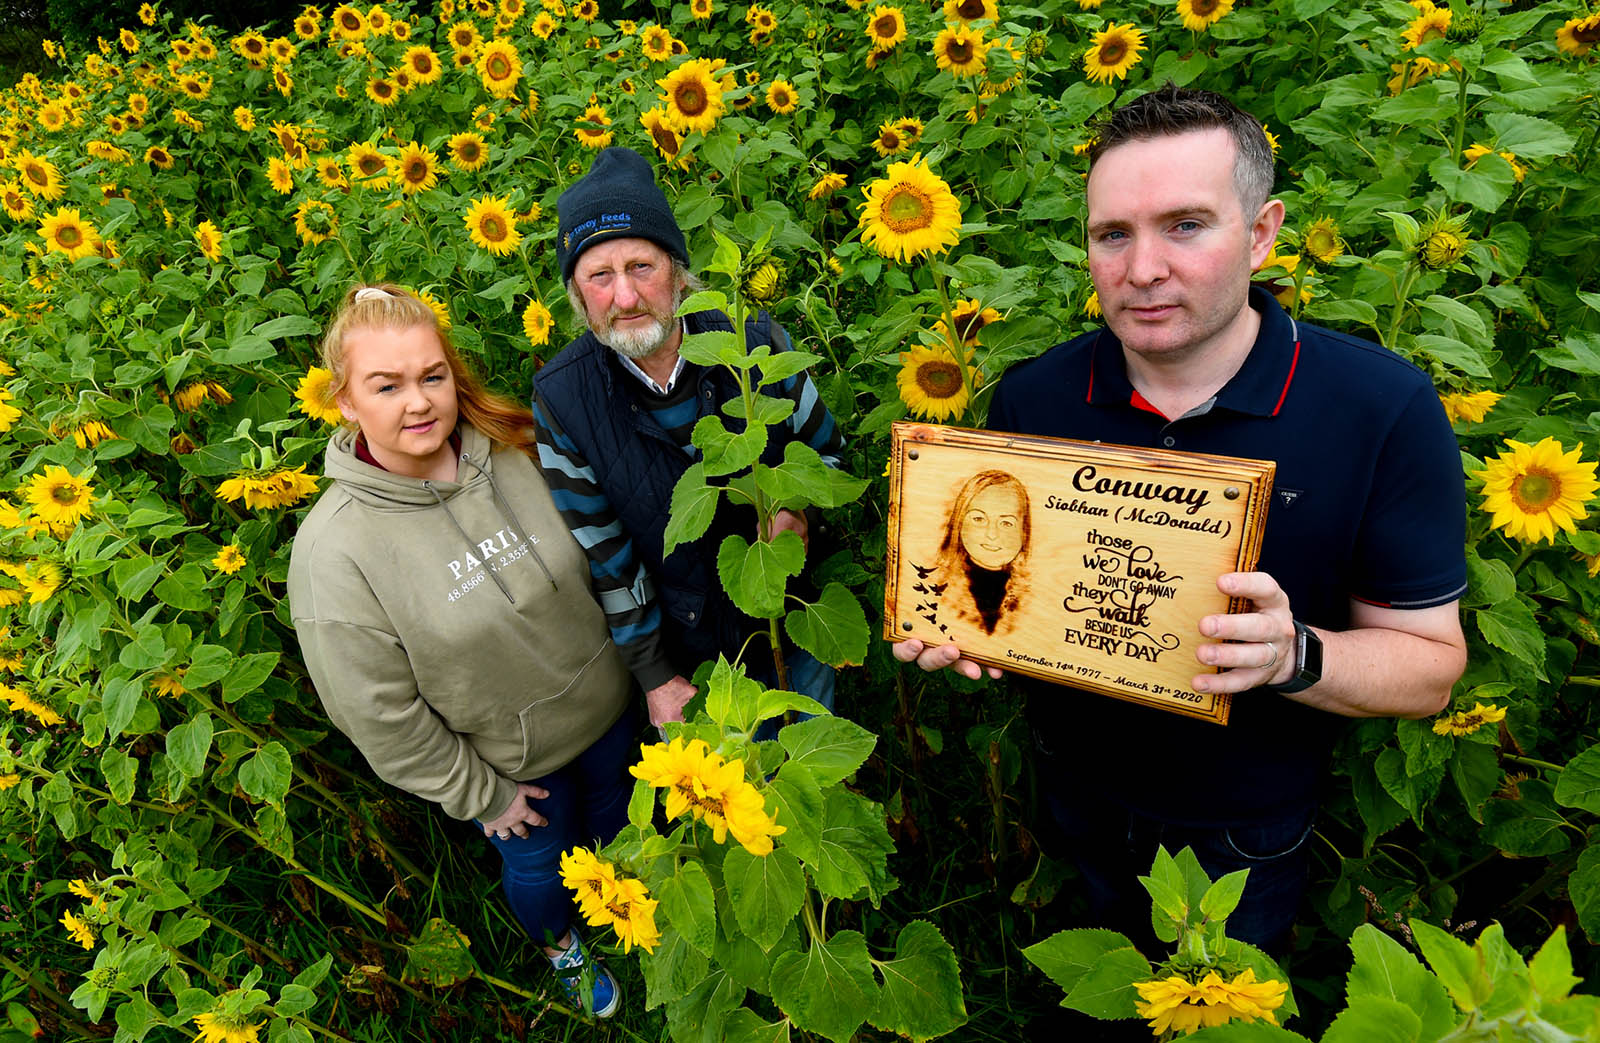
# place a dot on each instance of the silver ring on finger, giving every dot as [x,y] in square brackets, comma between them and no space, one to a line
[1270,663]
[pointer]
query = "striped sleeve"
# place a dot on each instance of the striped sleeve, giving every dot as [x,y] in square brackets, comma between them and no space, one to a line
[621,583]
[810,422]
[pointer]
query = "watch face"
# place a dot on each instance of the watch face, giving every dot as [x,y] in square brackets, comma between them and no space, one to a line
[1310,653]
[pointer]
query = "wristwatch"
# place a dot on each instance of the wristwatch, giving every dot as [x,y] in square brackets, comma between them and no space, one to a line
[1307,661]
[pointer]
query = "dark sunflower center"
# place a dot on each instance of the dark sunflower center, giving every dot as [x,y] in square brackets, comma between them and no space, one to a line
[1113,50]
[1536,491]
[469,153]
[970,9]
[884,28]
[383,88]
[492,228]
[1205,8]
[907,209]
[37,175]
[690,98]
[65,495]
[423,64]
[69,236]
[253,46]
[350,21]
[960,52]
[417,172]
[498,68]
[1587,33]
[370,165]
[940,378]
[664,137]
[780,98]
[967,326]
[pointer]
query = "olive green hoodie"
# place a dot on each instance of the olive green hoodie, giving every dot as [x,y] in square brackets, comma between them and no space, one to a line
[449,626]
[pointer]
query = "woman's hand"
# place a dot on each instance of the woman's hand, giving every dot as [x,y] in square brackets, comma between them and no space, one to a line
[520,816]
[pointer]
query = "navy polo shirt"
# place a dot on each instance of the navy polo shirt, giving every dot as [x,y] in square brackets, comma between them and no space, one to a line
[1369,503]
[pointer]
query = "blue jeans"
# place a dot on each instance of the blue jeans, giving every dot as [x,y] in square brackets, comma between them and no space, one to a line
[588,804]
[1112,846]
[807,675]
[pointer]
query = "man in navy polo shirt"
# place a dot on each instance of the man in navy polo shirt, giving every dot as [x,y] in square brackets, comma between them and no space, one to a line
[1354,607]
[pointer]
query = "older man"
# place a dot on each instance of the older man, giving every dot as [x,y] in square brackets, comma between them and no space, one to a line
[1354,609]
[614,413]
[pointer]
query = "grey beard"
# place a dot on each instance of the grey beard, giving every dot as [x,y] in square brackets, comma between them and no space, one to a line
[638,344]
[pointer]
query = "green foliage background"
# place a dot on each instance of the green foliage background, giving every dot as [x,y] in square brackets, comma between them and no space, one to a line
[247,854]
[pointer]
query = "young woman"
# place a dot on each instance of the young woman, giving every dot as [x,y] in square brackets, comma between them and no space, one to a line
[445,614]
[983,558]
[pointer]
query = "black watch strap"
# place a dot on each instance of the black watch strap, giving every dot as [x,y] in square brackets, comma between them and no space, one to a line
[1307,661]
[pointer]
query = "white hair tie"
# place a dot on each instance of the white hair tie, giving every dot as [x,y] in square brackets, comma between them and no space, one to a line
[367,293]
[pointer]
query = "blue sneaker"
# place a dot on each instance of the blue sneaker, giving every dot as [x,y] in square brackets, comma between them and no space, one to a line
[576,970]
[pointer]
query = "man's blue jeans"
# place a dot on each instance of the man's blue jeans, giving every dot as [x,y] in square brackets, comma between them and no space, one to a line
[588,804]
[1113,846]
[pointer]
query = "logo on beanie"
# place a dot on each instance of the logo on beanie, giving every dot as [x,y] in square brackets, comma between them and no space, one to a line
[621,221]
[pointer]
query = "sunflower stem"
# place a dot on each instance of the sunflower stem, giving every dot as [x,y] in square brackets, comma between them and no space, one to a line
[953,339]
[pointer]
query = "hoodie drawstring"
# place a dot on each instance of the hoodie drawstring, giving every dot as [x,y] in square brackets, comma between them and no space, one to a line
[505,505]
[428,485]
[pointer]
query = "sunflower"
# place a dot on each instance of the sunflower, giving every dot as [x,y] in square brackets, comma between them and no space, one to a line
[782,97]
[368,166]
[886,27]
[1112,52]
[308,26]
[1469,406]
[1444,243]
[1532,490]
[1465,722]
[700,783]
[264,490]
[158,157]
[586,10]
[700,9]
[147,14]
[542,25]
[1579,35]
[1431,24]
[1200,15]
[382,90]
[210,240]
[66,232]
[890,142]
[16,205]
[315,221]
[423,64]
[965,11]
[91,433]
[216,1027]
[492,226]
[931,383]
[416,168]
[331,173]
[910,212]
[51,117]
[655,43]
[198,88]
[1474,152]
[693,96]
[762,20]
[378,21]
[463,37]
[283,81]
[970,317]
[39,176]
[960,49]
[138,103]
[9,414]
[590,131]
[536,322]
[666,140]
[280,176]
[316,397]
[183,119]
[1321,240]
[468,151]
[499,68]
[61,499]
[826,185]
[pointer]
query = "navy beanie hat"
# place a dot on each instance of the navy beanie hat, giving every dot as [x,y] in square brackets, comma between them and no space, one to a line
[617,199]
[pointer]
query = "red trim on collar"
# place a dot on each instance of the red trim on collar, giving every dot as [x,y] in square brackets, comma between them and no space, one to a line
[1138,401]
[1293,362]
[1088,396]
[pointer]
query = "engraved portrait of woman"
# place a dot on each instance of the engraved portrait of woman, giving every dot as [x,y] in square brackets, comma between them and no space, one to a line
[983,557]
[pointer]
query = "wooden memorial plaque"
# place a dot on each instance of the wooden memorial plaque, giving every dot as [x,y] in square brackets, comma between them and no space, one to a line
[1077,562]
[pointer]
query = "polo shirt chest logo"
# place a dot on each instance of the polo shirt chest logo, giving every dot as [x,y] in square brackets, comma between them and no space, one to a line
[1287,497]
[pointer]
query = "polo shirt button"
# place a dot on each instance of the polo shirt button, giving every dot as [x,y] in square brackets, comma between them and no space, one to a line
[1169,441]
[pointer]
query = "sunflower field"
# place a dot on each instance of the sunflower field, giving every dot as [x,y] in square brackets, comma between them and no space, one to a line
[190,851]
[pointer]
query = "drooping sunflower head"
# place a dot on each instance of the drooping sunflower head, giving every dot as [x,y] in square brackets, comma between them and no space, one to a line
[665,139]
[1579,35]
[1532,490]
[209,238]
[970,317]
[1467,406]
[1112,52]
[931,384]
[886,27]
